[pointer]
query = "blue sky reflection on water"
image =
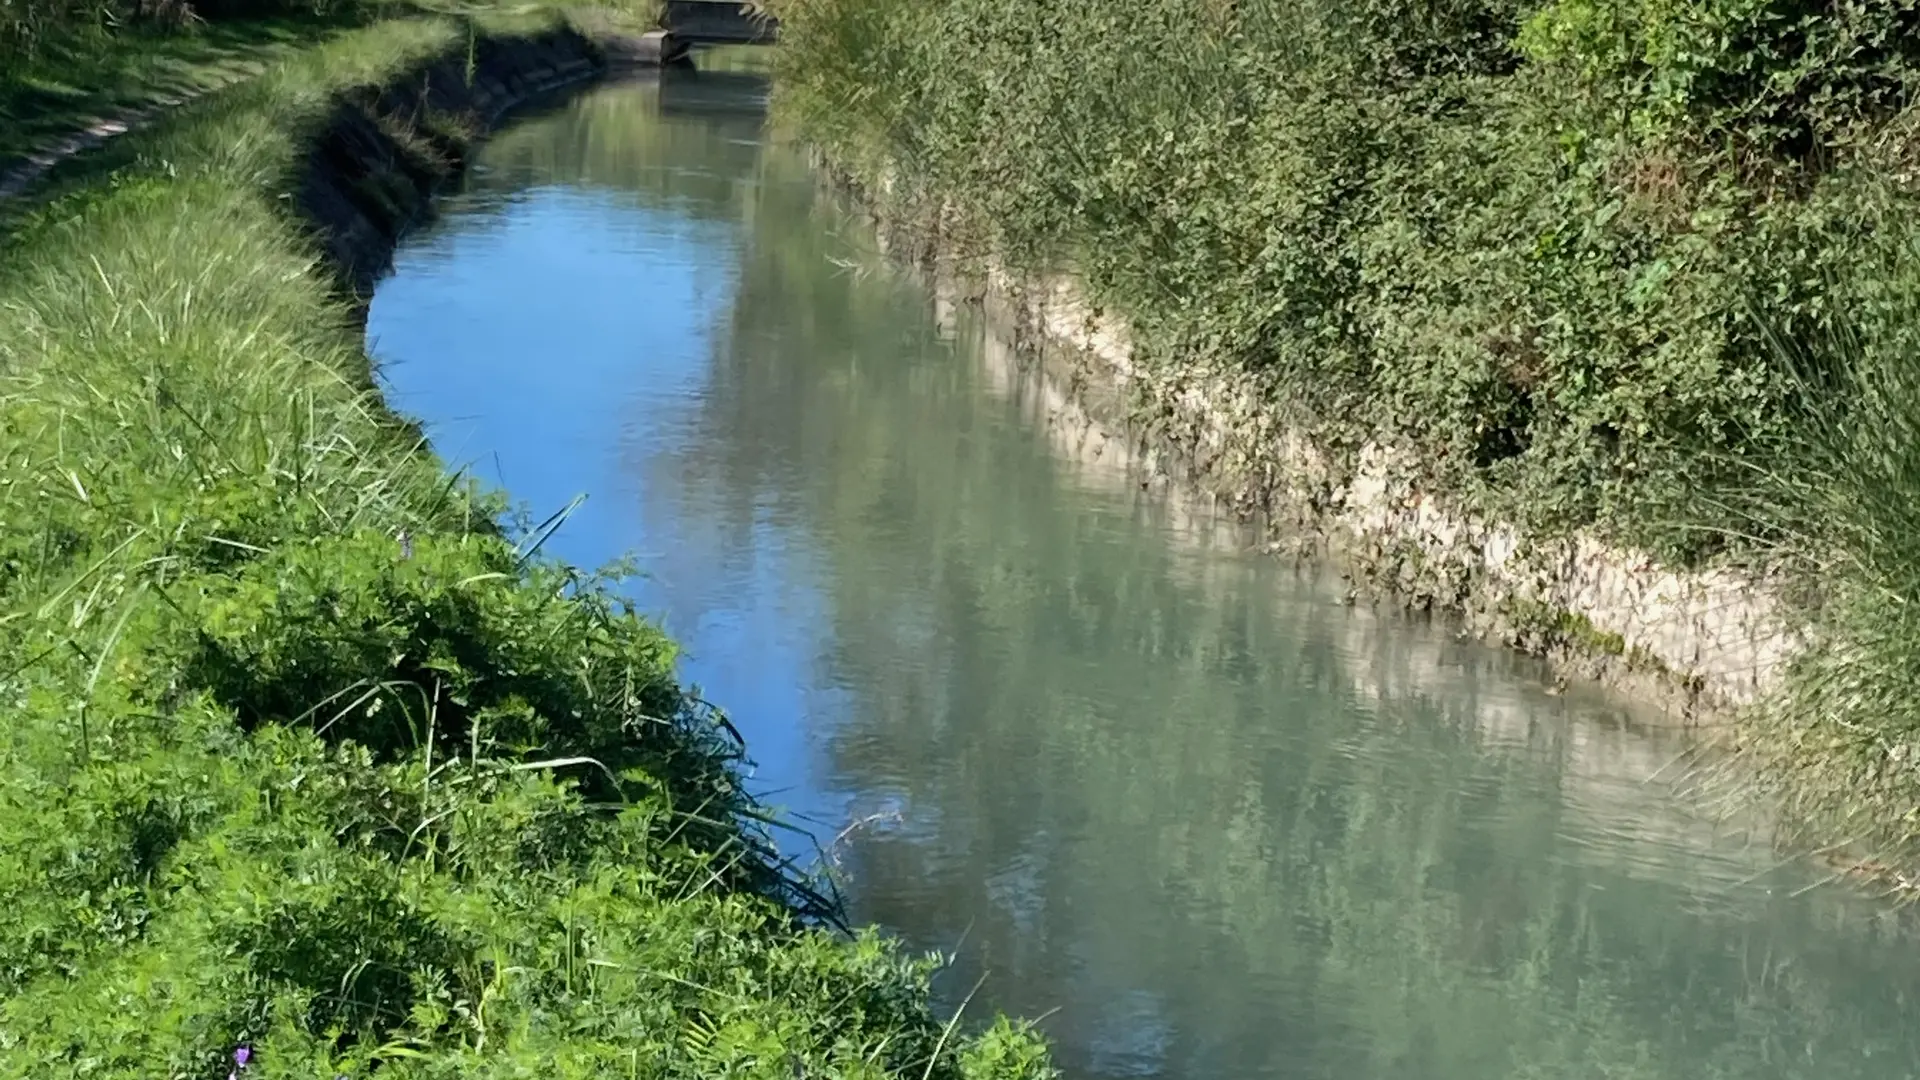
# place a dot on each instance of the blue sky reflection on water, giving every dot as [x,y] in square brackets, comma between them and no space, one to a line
[625,306]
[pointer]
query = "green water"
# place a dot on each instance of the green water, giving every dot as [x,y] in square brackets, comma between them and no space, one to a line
[1172,796]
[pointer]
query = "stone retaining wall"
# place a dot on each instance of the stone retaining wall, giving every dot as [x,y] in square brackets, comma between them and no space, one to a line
[1699,645]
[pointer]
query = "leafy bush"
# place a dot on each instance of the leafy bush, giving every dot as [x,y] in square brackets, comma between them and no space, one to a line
[1524,242]
[1784,76]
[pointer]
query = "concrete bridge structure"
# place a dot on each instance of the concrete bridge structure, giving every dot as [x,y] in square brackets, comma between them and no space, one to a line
[719,22]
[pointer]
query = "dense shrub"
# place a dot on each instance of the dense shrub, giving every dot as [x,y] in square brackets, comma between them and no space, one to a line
[1782,76]
[1528,242]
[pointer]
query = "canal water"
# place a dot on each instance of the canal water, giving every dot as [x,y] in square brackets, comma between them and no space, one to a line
[1169,796]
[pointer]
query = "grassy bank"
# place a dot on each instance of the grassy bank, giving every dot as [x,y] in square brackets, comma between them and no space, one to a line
[66,63]
[301,752]
[63,84]
[1639,270]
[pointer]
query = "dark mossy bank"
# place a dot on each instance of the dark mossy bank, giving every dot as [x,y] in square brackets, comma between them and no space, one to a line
[384,149]
[302,751]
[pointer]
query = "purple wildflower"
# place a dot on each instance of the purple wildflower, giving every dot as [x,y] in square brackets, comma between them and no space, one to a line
[241,1055]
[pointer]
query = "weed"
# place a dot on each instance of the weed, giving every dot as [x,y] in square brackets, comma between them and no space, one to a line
[1843,736]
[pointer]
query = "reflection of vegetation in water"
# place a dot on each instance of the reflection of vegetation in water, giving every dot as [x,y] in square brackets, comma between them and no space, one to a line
[1128,768]
[1314,884]
[704,170]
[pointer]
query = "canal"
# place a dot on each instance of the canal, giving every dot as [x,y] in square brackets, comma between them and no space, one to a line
[1168,795]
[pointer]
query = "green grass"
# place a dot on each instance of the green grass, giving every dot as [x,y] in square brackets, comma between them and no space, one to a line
[68,82]
[1837,492]
[300,750]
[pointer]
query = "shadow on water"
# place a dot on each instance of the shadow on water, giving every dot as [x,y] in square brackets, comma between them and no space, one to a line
[1174,795]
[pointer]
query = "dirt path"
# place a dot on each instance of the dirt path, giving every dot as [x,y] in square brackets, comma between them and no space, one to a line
[19,174]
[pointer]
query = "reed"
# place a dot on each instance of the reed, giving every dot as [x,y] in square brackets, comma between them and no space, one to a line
[1832,507]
